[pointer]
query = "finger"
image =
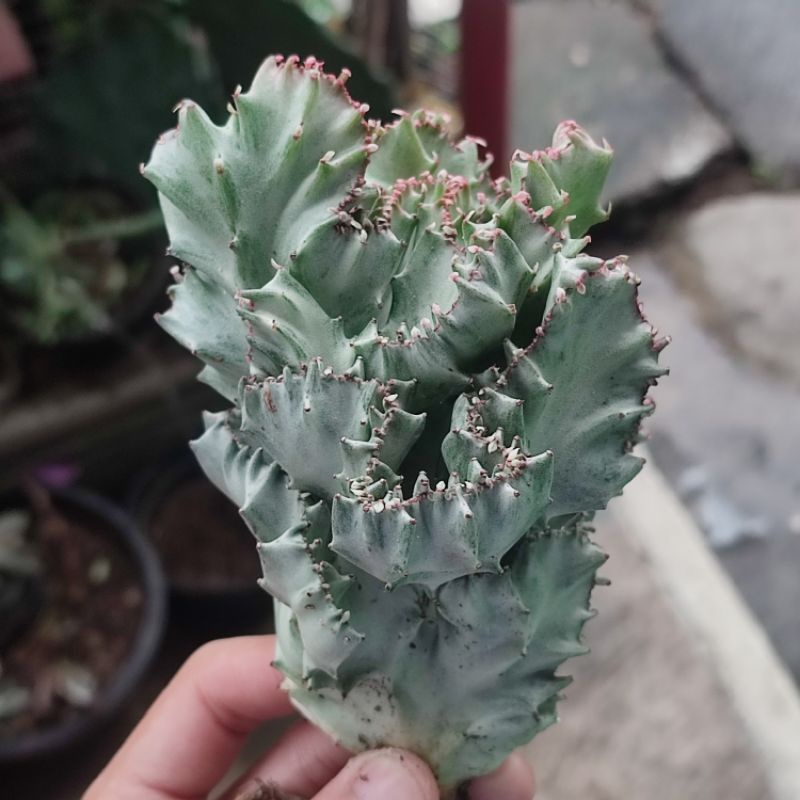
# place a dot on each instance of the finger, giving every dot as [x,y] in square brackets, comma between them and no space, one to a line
[15,55]
[512,780]
[194,730]
[389,774]
[302,761]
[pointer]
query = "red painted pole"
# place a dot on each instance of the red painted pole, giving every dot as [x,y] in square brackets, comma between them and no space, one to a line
[485,74]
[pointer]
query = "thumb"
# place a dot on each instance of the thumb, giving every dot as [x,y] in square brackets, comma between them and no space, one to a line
[389,774]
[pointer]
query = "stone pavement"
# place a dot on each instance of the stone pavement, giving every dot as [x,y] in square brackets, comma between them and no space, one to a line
[599,64]
[681,696]
[670,83]
[726,430]
[743,55]
[737,259]
[645,716]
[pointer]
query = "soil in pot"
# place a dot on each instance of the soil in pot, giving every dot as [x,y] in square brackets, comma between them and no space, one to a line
[90,609]
[205,546]
[9,372]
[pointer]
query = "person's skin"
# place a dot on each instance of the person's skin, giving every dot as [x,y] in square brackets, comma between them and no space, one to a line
[16,60]
[192,733]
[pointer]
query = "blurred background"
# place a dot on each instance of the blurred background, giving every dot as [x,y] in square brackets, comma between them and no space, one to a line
[700,101]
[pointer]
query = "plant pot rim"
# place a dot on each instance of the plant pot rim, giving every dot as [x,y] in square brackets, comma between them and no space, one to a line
[144,645]
[10,374]
[153,485]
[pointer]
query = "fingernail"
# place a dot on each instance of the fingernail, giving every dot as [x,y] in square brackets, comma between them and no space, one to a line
[393,775]
[487,792]
[512,780]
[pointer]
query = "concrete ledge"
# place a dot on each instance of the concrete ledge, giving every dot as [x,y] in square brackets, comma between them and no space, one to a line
[704,598]
[682,696]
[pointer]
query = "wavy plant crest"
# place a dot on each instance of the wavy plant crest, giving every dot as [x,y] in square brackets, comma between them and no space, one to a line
[432,390]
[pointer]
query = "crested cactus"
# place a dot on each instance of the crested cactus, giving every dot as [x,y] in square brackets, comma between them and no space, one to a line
[432,390]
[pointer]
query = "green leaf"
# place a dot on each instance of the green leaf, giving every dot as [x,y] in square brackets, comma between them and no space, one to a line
[583,381]
[287,327]
[442,535]
[567,178]
[204,319]
[487,646]
[291,149]
[348,272]
[247,475]
[326,429]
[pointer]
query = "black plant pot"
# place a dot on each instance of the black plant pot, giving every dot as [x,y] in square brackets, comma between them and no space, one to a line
[230,604]
[74,729]
[10,377]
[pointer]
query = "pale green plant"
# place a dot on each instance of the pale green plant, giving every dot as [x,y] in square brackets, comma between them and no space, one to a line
[433,389]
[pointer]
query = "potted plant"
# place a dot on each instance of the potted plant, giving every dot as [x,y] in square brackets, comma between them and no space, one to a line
[79,265]
[205,547]
[432,389]
[81,241]
[81,615]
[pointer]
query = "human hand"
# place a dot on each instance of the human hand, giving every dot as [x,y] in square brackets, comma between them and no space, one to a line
[192,733]
[16,59]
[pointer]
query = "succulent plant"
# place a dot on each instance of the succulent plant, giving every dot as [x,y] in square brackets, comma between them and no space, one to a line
[433,389]
[63,268]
